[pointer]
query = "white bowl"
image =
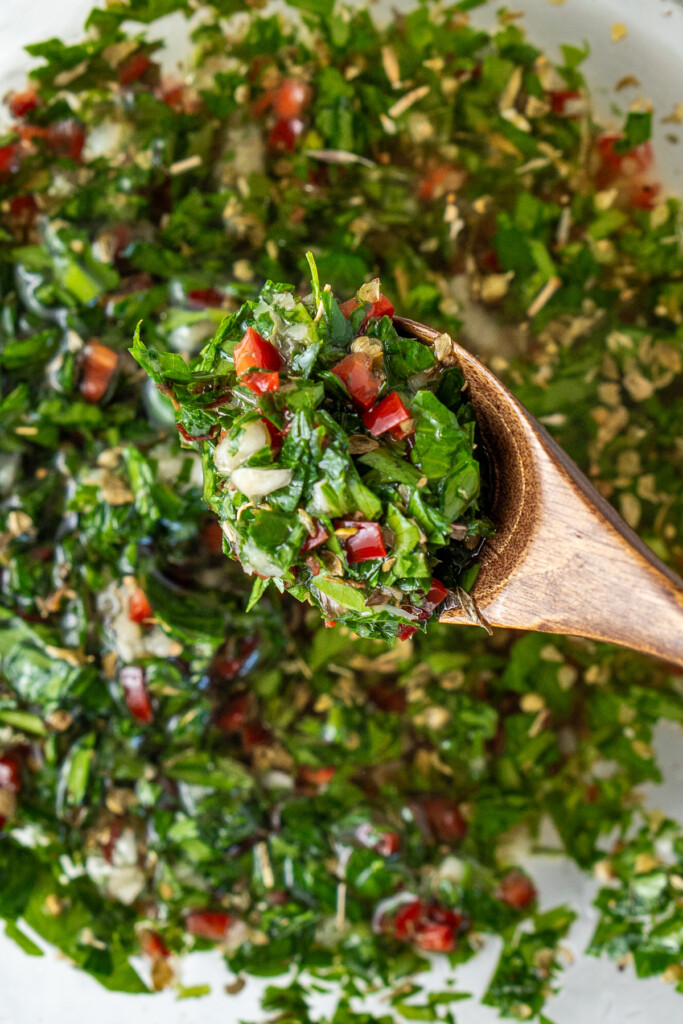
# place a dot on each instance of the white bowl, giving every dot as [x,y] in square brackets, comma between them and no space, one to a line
[47,990]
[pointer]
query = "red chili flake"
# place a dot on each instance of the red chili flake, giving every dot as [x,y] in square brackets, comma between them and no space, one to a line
[517,890]
[132,68]
[23,102]
[284,133]
[208,924]
[132,679]
[445,819]
[98,366]
[139,608]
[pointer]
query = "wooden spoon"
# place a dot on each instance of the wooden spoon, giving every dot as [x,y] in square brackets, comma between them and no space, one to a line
[562,560]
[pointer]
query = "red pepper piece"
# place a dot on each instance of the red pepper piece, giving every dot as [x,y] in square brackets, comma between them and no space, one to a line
[10,773]
[517,890]
[255,353]
[319,538]
[330,623]
[436,594]
[234,715]
[445,819]
[284,133]
[435,938]
[10,158]
[132,68]
[204,297]
[139,608]
[316,776]
[615,165]
[291,98]
[644,197]
[365,543]
[378,309]
[559,98]
[66,139]
[405,631]
[132,679]
[386,414]
[154,946]
[356,374]
[98,366]
[388,844]
[407,917]
[348,307]
[23,102]
[208,924]
[260,382]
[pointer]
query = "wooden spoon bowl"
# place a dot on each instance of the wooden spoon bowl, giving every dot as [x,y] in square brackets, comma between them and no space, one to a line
[562,560]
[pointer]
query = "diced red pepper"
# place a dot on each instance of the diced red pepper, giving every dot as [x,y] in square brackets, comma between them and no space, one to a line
[153,945]
[291,98]
[365,543]
[405,631]
[10,158]
[284,133]
[388,844]
[356,374]
[234,715]
[173,95]
[378,309]
[208,924]
[435,938]
[442,179]
[644,197]
[319,537]
[348,307]
[23,208]
[132,68]
[316,776]
[559,98]
[330,623]
[255,353]
[98,366]
[386,414]
[132,679]
[407,916]
[436,594]
[139,608]
[67,139]
[517,890]
[23,102]
[259,383]
[10,773]
[614,165]
[255,734]
[205,297]
[445,819]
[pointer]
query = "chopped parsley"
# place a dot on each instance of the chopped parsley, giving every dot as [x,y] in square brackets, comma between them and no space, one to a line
[179,773]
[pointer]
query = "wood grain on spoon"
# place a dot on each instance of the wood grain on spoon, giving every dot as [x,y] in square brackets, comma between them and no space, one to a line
[562,560]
